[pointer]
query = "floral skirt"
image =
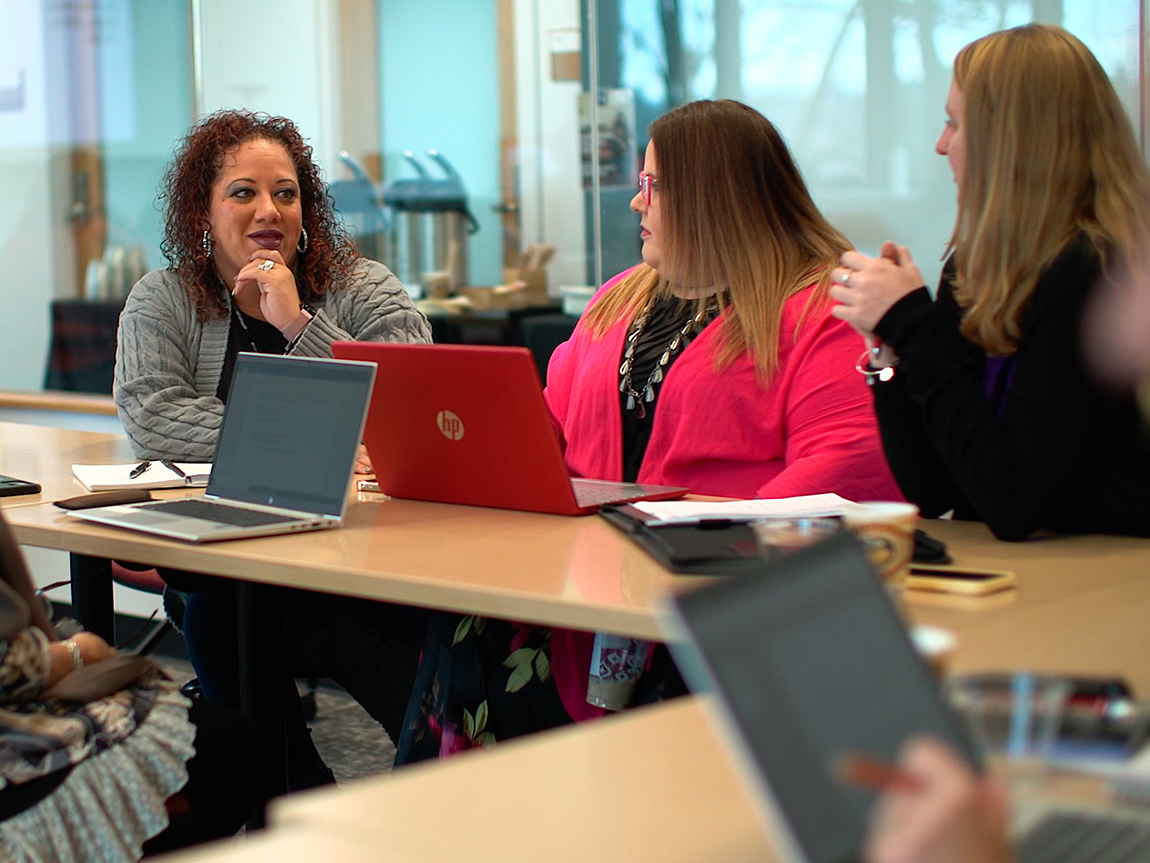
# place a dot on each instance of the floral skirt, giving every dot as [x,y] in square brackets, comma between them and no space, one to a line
[482,680]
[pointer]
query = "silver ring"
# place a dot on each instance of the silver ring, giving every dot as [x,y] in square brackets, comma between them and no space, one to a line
[846,280]
[267,265]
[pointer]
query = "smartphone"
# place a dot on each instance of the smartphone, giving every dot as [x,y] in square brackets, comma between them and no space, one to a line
[952,579]
[9,485]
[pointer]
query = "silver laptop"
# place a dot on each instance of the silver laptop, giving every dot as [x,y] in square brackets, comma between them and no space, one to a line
[284,459]
[808,661]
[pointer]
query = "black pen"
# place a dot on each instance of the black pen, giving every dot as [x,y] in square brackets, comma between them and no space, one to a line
[139,469]
[174,468]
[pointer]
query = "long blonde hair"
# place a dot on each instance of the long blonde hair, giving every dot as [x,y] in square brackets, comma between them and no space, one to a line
[1050,155]
[735,214]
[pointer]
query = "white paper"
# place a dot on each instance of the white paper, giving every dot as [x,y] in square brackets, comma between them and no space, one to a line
[111,477]
[691,512]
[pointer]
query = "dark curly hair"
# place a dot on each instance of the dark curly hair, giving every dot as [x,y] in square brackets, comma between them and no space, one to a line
[186,195]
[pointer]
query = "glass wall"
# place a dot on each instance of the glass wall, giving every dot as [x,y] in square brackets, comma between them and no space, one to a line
[146,106]
[856,87]
[94,94]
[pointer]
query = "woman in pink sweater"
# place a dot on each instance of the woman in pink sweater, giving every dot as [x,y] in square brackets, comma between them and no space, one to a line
[715,364]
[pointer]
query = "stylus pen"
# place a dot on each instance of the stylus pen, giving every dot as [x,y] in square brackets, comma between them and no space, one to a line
[174,468]
[864,771]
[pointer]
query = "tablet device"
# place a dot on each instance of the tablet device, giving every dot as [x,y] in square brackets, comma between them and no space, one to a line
[810,662]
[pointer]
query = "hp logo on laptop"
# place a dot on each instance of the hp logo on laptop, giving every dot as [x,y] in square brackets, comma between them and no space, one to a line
[450,425]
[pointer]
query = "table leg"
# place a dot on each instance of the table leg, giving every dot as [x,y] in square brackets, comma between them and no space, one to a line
[92,595]
[262,670]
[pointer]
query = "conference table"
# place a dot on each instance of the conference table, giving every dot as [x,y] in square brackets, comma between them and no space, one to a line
[651,784]
[1080,607]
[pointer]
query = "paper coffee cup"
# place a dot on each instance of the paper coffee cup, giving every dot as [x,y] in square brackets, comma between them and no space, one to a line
[936,646]
[886,531]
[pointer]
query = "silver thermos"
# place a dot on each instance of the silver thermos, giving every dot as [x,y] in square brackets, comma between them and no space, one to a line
[428,245]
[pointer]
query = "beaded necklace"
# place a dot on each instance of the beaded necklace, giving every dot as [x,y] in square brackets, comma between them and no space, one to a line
[637,399]
[247,332]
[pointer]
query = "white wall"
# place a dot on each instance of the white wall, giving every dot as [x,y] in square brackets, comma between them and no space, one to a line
[29,266]
[275,56]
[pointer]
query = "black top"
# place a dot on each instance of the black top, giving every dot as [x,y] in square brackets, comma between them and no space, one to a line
[1065,454]
[667,317]
[260,337]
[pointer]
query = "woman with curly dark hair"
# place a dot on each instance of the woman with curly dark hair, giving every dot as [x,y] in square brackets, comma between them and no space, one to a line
[258,262]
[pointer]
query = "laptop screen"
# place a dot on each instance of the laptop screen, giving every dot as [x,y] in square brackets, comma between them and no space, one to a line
[290,432]
[811,662]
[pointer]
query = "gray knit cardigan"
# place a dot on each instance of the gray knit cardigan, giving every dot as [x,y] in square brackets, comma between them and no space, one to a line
[168,364]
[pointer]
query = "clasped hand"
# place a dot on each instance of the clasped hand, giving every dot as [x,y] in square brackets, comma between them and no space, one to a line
[278,295]
[865,288]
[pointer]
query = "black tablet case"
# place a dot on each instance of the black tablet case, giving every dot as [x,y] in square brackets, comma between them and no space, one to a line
[711,547]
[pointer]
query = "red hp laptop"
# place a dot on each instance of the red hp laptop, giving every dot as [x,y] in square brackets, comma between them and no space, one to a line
[468,424]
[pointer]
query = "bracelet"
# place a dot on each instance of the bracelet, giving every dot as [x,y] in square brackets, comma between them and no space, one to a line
[296,327]
[74,651]
[883,374]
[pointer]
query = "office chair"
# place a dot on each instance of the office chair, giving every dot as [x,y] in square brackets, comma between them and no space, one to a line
[92,579]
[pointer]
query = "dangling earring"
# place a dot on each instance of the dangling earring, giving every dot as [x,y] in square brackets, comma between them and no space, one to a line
[301,246]
[206,244]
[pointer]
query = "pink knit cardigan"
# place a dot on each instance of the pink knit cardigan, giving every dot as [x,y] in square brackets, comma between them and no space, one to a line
[720,432]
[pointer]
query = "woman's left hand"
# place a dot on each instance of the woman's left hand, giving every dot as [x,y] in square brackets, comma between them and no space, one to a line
[278,295]
[865,288]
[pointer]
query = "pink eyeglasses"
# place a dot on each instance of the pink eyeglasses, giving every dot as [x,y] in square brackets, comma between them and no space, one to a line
[648,183]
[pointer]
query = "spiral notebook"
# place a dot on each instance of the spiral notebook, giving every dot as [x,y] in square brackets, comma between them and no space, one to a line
[113,477]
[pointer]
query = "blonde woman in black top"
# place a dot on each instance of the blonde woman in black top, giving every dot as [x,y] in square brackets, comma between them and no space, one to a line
[984,398]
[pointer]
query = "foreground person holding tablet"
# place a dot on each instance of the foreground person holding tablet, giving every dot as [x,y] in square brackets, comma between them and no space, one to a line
[714,365]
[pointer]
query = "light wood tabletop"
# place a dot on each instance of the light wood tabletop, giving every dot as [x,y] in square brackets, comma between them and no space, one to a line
[45,455]
[652,784]
[1081,605]
[560,570]
[302,845]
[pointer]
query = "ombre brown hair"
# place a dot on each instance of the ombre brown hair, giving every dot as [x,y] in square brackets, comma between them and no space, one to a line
[1050,155]
[186,194]
[737,216]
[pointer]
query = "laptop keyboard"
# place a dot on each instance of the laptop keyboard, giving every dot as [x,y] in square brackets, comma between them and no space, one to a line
[1066,837]
[221,512]
[595,493]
